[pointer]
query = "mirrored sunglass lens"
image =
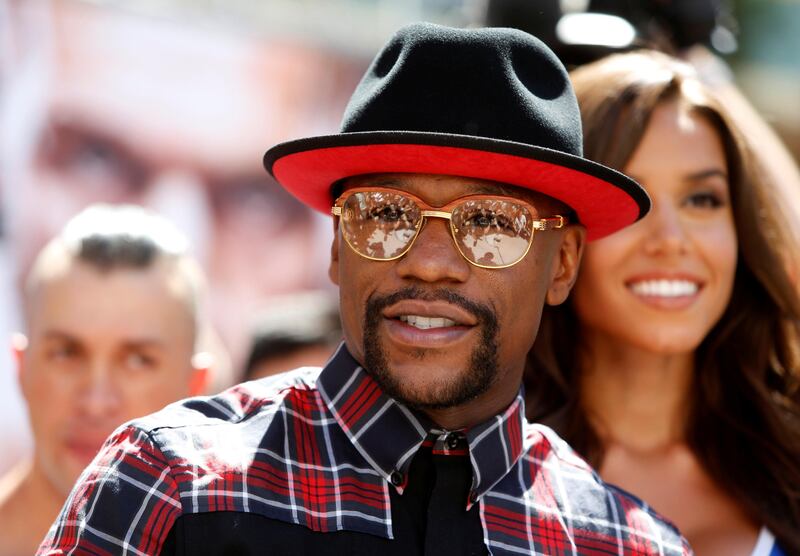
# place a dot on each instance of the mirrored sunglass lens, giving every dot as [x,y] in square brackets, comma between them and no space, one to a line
[493,232]
[379,224]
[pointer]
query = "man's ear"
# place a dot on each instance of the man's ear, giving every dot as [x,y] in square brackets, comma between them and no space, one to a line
[333,269]
[566,264]
[19,343]
[202,362]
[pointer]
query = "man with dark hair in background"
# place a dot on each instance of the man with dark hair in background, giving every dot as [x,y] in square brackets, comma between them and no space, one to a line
[292,331]
[113,314]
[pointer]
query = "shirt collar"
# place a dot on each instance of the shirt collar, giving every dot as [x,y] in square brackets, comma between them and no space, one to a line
[388,434]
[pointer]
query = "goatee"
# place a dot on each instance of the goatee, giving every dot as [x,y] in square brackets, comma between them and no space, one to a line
[467,385]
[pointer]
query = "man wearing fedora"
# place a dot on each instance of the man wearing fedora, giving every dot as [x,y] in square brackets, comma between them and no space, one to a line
[461,203]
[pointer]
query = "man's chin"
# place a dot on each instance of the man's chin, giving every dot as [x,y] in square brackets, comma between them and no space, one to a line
[425,385]
[430,375]
[62,476]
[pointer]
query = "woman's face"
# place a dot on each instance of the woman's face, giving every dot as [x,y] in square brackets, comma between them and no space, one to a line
[661,284]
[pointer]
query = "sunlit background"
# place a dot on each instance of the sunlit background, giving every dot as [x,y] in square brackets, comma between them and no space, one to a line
[758,38]
[170,103]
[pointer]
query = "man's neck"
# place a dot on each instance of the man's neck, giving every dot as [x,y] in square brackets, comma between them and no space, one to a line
[27,510]
[473,412]
[499,395]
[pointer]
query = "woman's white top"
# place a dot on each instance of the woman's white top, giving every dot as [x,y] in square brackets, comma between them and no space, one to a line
[765,545]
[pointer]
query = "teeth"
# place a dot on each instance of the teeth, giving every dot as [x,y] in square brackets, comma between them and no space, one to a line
[665,288]
[425,323]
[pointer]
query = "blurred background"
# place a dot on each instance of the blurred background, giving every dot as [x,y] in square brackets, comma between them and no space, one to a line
[171,103]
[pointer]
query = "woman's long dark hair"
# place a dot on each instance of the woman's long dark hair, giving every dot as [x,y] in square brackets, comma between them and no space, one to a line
[744,418]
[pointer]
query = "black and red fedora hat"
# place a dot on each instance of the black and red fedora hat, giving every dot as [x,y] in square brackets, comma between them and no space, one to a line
[492,103]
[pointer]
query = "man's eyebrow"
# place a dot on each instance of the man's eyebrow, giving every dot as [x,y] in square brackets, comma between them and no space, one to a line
[382,181]
[86,128]
[491,189]
[56,334]
[480,188]
[144,343]
[132,153]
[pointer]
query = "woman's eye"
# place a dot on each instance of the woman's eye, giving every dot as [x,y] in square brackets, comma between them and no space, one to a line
[705,199]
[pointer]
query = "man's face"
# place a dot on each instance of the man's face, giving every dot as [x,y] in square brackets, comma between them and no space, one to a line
[103,348]
[478,360]
[152,113]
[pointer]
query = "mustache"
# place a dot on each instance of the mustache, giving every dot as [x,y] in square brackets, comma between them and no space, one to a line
[377,303]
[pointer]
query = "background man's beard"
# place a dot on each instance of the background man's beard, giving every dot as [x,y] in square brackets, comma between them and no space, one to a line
[465,386]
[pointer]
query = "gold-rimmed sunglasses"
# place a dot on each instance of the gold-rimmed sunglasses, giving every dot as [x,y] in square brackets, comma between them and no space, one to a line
[489,231]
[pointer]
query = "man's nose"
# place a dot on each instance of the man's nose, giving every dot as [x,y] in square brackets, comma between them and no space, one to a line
[99,397]
[434,256]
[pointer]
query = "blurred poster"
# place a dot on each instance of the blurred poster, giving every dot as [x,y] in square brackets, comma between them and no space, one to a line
[100,104]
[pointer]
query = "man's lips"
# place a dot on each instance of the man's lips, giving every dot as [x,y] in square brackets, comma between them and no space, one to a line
[439,313]
[403,334]
[84,449]
[426,323]
[435,324]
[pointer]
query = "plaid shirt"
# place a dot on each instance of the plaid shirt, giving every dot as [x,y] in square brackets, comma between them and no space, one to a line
[321,450]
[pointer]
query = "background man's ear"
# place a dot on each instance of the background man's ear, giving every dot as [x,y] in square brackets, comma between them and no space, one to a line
[202,367]
[19,343]
[566,264]
[333,269]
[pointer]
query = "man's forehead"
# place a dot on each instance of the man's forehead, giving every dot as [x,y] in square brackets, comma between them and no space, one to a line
[64,272]
[437,186]
[153,299]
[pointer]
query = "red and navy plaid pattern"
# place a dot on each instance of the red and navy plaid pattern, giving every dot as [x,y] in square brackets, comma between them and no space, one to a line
[321,450]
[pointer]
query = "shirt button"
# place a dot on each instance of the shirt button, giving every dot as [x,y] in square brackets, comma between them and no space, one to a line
[452,440]
[397,478]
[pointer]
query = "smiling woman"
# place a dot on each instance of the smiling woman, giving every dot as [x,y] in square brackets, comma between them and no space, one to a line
[685,383]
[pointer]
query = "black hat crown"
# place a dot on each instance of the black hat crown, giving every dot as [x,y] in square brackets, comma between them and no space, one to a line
[501,84]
